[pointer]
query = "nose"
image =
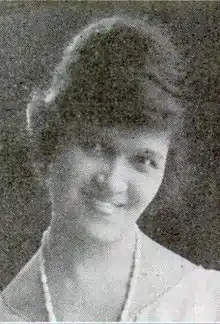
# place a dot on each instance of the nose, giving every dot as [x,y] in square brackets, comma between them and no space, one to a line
[113,177]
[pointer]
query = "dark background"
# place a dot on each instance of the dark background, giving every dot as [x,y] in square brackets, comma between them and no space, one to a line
[184,216]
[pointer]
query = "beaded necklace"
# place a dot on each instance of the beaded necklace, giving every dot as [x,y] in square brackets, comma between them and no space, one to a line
[131,283]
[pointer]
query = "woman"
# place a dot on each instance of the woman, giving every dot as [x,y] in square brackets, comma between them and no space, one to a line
[100,136]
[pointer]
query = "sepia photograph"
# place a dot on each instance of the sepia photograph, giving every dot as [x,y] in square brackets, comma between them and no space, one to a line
[109,161]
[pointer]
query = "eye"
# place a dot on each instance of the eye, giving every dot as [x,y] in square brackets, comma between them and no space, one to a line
[91,146]
[144,162]
[96,148]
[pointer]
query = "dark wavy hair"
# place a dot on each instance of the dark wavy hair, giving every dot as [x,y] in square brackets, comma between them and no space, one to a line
[117,71]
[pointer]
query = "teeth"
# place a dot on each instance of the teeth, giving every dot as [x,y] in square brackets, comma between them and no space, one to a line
[104,206]
[102,203]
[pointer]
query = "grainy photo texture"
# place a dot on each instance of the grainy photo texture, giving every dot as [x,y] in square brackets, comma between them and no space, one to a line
[108,161]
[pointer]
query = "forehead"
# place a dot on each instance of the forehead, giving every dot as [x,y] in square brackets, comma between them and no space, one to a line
[130,139]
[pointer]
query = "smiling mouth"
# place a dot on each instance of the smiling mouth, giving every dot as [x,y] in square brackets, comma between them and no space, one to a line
[104,206]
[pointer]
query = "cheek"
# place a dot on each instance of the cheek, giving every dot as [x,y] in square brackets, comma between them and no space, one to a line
[145,188]
[73,172]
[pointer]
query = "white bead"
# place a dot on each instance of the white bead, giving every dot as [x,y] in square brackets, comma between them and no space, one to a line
[47,295]
[131,284]
[133,279]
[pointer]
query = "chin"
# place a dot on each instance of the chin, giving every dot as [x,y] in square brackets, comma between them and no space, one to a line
[105,234]
[99,232]
[94,228]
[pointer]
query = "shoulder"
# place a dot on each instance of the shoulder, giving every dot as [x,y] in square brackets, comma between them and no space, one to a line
[173,288]
[23,295]
[160,266]
[195,298]
[7,314]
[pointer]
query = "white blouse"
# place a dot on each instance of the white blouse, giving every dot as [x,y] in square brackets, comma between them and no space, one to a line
[195,298]
[169,289]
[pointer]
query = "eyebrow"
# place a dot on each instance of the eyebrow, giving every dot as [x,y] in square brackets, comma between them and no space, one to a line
[155,154]
[109,140]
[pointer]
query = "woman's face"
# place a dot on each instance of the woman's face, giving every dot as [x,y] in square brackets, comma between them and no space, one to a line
[105,179]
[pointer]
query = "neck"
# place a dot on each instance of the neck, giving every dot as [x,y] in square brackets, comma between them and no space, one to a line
[75,255]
